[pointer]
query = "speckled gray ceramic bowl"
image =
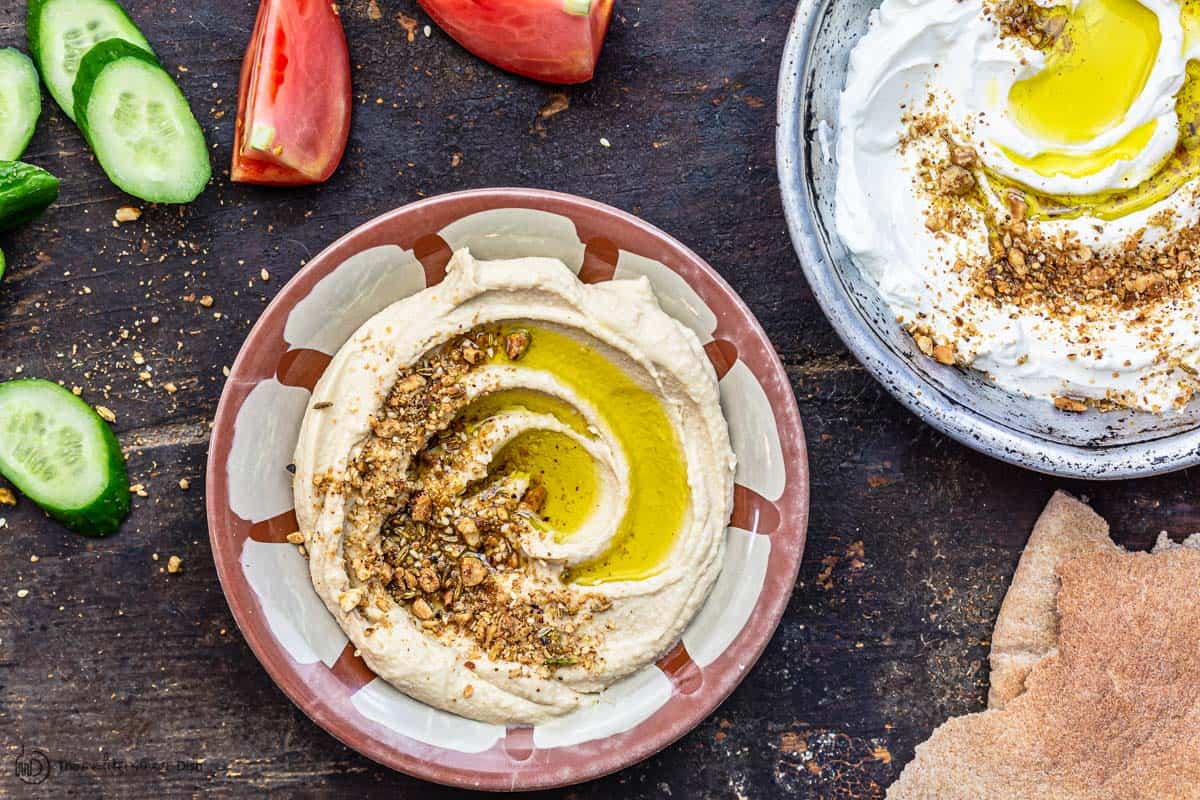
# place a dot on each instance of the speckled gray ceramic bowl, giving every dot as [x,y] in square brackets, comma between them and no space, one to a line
[1027,432]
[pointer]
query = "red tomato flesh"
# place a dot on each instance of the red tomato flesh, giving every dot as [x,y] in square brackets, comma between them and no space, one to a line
[540,39]
[295,96]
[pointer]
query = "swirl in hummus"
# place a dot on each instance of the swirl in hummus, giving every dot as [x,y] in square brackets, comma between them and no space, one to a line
[513,487]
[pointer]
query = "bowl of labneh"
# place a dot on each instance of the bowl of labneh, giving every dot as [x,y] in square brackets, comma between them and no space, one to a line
[507,489]
[995,204]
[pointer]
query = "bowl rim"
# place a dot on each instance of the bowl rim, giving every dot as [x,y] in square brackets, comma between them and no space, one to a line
[795,501]
[963,423]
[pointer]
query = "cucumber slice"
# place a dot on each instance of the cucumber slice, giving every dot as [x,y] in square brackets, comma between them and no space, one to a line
[25,192]
[62,31]
[62,456]
[20,103]
[139,124]
[3,266]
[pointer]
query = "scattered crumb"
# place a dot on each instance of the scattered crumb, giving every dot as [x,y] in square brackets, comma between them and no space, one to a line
[185,484]
[174,564]
[558,103]
[22,593]
[127,214]
[1070,404]
[106,414]
[206,301]
[944,354]
[7,497]
[409,25]
[792,742]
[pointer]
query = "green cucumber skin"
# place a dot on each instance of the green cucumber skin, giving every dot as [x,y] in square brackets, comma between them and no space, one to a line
[104,515]
[94,62]
[25,192]
[18,148]
[33,33]
[3,266]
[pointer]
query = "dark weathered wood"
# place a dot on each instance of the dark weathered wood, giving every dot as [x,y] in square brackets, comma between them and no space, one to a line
[110,657]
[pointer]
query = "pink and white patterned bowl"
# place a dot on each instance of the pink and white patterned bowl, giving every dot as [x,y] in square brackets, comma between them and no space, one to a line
[250,509]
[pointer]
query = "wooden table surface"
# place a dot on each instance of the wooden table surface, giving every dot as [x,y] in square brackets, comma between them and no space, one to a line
[107,657]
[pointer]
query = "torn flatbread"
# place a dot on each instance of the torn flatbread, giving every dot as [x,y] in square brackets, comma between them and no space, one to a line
[1027,628]
[1112,714]
[1164,543]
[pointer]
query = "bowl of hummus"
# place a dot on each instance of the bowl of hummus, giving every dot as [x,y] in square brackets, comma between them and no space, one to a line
[995,204]
[507,489]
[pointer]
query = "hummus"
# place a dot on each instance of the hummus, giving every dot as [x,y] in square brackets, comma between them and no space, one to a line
[513,488]
[1019,179]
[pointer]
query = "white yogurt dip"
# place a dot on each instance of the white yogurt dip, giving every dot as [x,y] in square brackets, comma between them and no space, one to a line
[1079,317]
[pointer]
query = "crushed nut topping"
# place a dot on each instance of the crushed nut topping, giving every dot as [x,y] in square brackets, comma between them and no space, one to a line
[516,344]
[450,549]
[1031,266]
[1070,404]
[1037,25]
[956,181]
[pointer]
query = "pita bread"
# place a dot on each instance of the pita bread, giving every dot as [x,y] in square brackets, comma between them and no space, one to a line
[1164,543]
[1113,714]
[1027,628]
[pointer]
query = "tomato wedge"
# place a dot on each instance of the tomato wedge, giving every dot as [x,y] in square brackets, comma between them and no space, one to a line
[295,97]
[557,41]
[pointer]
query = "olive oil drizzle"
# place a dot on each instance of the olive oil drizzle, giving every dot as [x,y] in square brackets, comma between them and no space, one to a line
[552,460]
[1180,167]
[659,495]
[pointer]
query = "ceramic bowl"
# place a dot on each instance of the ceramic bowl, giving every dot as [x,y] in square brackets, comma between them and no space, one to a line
[1029,432]
[250,508]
